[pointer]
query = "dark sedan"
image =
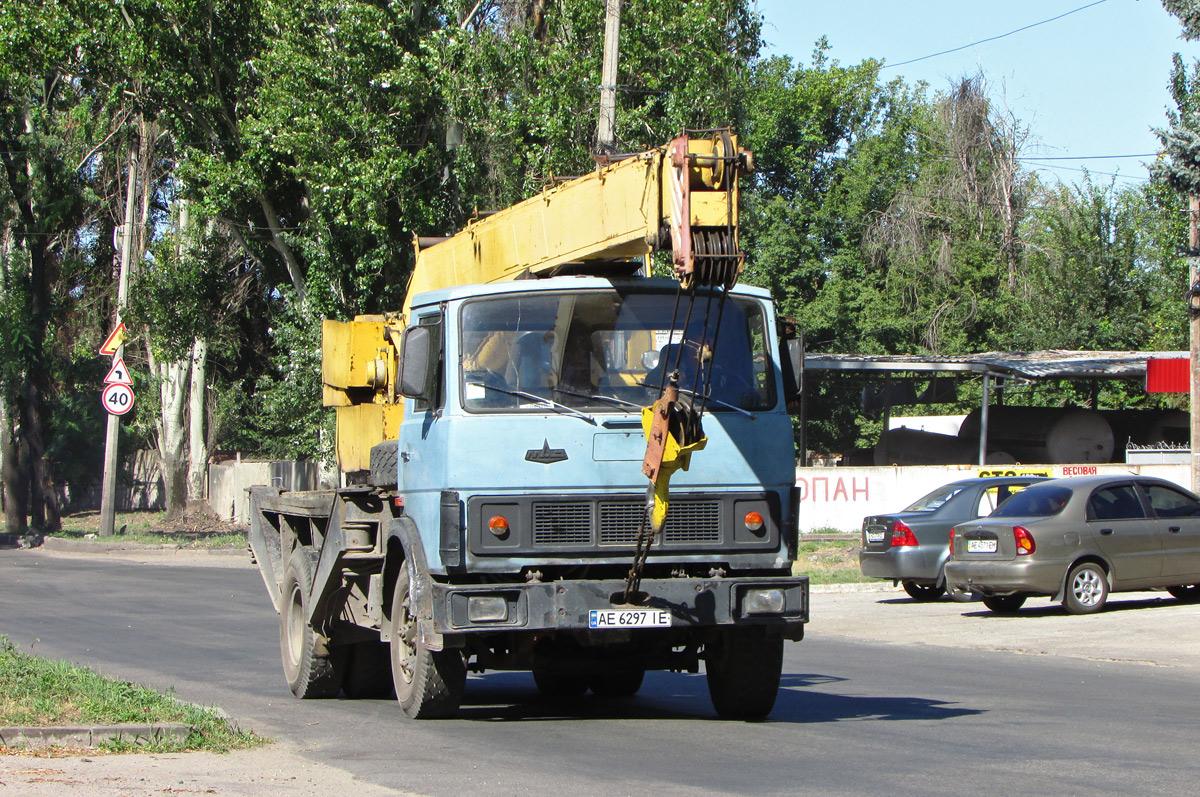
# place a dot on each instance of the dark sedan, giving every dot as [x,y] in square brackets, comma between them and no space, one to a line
[1078,539]
[911,546]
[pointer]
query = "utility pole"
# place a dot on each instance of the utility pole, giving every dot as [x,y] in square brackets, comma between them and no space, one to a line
[108,489]
[606,136]
[1194,333]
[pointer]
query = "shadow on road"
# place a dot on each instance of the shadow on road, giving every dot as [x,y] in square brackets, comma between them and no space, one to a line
[509,697]
[1057,610]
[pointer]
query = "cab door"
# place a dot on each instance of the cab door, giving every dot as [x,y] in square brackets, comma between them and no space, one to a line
[1123,531]
[1178,518]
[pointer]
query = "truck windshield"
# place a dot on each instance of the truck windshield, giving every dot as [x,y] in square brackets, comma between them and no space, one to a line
[608,351]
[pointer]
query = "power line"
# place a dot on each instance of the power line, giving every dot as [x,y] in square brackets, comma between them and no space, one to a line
[993,38]
[1084,157]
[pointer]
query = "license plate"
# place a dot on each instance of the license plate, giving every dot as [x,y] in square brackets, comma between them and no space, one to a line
[874,536]
[981,546]
[629,618]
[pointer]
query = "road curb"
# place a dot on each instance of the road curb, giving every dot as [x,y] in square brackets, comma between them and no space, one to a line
[865,586]
[96,546]
[92,735]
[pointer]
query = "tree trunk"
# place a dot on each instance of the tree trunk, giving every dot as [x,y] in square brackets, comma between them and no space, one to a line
[15,490]
[198,443]
[173,389]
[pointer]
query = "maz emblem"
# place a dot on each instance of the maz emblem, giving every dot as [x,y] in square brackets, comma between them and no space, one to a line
[545,455]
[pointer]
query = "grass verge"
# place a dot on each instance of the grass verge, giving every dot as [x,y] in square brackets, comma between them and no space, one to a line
[828,561]
[40,692]
[154,528]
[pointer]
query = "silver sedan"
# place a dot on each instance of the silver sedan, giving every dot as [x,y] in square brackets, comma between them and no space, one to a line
[1078,539]
[910,546]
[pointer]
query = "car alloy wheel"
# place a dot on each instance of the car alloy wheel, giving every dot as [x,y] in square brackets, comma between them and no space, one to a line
[1087,589]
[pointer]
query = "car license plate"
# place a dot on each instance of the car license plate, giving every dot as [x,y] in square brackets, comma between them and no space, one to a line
[629,618]
[874,536]
[981,546]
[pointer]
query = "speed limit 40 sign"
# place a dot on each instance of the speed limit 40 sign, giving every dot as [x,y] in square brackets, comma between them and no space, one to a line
[117,398]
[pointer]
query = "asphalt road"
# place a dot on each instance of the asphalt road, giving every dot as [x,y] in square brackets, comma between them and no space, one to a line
[870,703]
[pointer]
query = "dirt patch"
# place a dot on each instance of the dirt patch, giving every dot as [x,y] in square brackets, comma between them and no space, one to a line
[195,523]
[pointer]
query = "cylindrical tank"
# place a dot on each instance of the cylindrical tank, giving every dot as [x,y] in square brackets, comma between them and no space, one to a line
[1044,434]
[1148,427]
[914,447]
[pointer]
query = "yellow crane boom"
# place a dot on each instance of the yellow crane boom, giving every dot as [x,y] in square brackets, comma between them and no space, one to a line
[682,197]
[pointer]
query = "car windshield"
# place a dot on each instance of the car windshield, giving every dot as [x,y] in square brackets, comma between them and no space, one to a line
[935,499]
[1035,501]
[609,350]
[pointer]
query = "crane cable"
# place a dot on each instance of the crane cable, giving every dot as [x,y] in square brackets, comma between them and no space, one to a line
[684,412]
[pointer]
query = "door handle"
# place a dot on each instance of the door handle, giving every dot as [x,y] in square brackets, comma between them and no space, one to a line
[1106,532]
[1173,529]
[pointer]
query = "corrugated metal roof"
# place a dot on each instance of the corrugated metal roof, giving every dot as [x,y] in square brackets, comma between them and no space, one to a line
[1048,364]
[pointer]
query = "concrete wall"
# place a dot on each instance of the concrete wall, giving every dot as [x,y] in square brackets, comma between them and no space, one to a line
[227,483]
[839,498]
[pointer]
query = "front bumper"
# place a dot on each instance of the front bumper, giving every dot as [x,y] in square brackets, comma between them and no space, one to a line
[565,605]
[1006,578]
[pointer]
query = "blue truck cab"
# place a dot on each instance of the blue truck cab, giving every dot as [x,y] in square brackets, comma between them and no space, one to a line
[498,530]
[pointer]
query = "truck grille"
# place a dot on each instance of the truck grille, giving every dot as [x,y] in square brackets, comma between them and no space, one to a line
[562,524]
[558,523]
[607,525]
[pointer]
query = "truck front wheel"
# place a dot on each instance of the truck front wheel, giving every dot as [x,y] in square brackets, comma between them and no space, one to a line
[311,669]
[743,667]
[429,684]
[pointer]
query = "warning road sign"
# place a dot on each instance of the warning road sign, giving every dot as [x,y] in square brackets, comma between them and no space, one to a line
[117,399]
[118,375]
[113,341]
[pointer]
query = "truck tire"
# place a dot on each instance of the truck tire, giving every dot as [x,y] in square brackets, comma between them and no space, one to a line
[618,684]
[429,683]
[311,668]
[369,671]
[384,470]
[560,684]
[743,667]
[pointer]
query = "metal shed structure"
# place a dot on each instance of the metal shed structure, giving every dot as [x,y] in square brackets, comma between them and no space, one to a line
[1019,366]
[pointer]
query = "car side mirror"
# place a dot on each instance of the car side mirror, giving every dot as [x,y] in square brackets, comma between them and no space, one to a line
[419,353]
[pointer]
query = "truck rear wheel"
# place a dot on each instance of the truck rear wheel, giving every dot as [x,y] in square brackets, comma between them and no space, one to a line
[369,672]
[618,684]
[429,683]
[311,668]
[743,668]
[560,684]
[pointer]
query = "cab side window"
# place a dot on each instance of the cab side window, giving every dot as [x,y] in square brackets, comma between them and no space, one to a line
[1169,503]
[1116,503]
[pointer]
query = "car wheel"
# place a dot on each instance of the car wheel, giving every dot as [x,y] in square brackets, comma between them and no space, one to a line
[923,592]
[1004,604]
[1087,589]
[1188,593]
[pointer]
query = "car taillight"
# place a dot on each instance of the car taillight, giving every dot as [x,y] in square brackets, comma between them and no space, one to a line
[902,535]
[952,542]
[1024,540]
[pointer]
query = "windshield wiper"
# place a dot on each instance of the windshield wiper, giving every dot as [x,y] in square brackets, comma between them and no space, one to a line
[598,397]
[540,401]
[708,400]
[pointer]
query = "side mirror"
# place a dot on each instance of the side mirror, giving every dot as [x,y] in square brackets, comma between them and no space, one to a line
[419,353]
[791,357]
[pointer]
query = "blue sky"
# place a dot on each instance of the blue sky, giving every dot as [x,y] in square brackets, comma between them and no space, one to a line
[1091,83]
